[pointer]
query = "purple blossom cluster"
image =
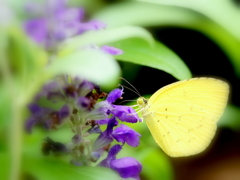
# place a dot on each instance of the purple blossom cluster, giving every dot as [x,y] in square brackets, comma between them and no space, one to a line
[53,22]
[86,110]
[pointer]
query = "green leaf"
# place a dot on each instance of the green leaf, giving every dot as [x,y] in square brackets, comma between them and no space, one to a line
[5,107]
[5,165]
[103,37]
[217,20]
[158,56]
[93,65]
[24,58]
[49,168]
[212,9]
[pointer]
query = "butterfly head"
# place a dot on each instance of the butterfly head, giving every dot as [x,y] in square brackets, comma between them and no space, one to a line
[142,102]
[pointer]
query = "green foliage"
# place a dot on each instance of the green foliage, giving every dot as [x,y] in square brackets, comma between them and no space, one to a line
[57,169]
[95,66]
[25,67]
[156,56]
[217,20]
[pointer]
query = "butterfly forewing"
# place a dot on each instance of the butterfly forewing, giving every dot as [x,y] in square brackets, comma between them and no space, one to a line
[182,116]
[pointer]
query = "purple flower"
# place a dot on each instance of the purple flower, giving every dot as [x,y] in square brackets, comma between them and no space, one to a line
[125,114]
[37,30]
[111,50]
[91,25]
[127,167]
[52,91]
[94,129]
[85,87]
[114,95]
[102,121]
[101,111]
[126,134]
[84,103]
[60,90]
[55,22]
[46,116]
[105,137]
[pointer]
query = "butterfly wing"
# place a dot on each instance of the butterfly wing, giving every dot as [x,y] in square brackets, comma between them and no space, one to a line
[182,116]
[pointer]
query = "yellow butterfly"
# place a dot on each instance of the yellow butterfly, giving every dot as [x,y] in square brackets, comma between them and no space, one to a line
[182,116]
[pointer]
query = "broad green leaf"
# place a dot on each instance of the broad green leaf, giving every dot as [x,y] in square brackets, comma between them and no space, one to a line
[24,58]
[93,65]
[224,12]
[5,107]
[158,56]
[46,168]
[104,37]
[5,164]
[170,14]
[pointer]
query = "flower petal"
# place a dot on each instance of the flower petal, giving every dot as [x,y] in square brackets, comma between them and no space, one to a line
[37,29]
[127,167]
[105,137]
[114,95]
[111,50]
[64,112]
[125,114]
[126,134]
[83,103]
[111,156]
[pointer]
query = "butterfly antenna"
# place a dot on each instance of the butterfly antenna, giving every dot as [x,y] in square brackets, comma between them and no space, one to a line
[127,101]
[136,91]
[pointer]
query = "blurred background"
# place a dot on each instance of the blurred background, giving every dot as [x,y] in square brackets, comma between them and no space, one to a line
[204,34]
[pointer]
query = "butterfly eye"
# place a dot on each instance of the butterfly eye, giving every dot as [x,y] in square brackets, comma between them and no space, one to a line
[145,100]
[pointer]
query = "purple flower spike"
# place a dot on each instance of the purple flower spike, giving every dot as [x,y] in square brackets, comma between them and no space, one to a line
[105,137]
[127,167]
[126,134]
[125,114]
[111,50]
[114,95]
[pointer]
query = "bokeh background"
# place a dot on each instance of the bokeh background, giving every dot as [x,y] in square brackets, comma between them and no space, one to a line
[204,34]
